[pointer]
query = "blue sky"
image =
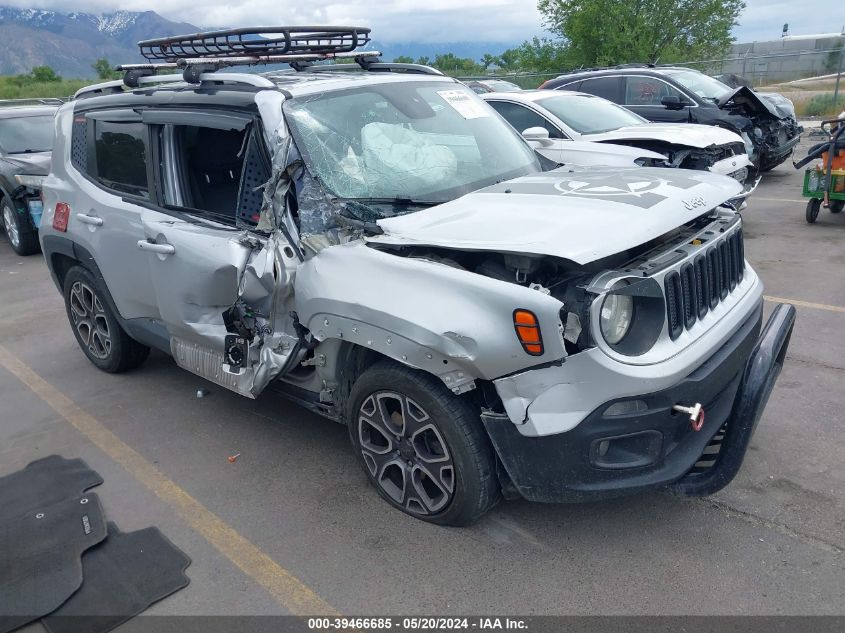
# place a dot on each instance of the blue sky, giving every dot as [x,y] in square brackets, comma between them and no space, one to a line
[439,20]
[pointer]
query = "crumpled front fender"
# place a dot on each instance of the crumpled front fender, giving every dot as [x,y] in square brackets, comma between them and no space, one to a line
[445,320]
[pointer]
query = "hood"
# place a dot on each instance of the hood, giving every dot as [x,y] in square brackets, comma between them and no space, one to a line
[36,164]
[690,134]
[783,105]
[581,216]
[749,102]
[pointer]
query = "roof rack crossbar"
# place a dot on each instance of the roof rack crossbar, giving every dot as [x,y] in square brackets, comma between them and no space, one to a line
[256,41]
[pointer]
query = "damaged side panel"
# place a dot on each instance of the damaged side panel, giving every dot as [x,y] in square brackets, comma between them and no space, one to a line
[218,289]
[383,302]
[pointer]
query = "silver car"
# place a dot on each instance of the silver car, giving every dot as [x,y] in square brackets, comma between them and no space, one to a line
[389,253]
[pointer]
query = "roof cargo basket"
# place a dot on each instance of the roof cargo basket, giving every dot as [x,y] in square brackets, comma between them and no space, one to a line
[256,42]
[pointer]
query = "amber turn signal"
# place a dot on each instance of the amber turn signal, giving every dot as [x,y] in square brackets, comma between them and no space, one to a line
[528,331]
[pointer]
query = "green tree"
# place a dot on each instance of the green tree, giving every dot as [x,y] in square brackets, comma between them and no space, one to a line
[542,55]
[605,32]
[488,60]
[44,74]
[104,69]
[451,63]
[831,62]
[424,60]
[509,60]
[403,59]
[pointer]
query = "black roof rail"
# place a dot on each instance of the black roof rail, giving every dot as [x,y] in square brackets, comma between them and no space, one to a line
[375,66]
[635,65]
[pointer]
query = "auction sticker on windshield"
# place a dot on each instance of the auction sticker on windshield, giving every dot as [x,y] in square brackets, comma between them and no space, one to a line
[466,105]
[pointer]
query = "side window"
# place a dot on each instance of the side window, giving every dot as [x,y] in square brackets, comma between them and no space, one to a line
[605,87]
[647,91]
[120,157]
[217,171]
[521,118]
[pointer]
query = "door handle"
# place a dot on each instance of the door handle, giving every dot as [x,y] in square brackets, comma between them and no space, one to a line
[162,249]
[89,219]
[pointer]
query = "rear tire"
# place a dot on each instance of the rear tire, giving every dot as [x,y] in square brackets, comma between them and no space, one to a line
[836,206]
[96,327]
[22,237]
[421,446]
[812,212]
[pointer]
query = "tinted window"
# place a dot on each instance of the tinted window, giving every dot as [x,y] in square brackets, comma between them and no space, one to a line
[26,134]
[606,87]
[588,114]
[521,118]
[120,157]
[647,91]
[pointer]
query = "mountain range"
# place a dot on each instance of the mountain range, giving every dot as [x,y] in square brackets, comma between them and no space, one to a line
[71,42]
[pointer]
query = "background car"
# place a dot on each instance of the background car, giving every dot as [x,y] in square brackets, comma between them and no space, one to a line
[26,139]
[683,95]
[572,116]
[483,86]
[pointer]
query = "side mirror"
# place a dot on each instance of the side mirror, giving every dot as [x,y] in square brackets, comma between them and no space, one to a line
[674,102]
[539,135]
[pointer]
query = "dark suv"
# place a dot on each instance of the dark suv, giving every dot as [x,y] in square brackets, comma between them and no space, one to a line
[677,95]
[26,139]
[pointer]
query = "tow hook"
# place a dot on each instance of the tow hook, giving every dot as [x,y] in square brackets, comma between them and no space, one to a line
[696,414]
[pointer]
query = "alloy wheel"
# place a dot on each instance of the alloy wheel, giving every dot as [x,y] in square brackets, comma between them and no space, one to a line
[90,321]
[11,226]
[406,453]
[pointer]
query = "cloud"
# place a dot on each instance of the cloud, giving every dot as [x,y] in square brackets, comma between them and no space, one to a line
[509,21]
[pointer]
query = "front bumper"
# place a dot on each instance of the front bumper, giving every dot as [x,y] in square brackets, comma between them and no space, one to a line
[772,156]
[610,455]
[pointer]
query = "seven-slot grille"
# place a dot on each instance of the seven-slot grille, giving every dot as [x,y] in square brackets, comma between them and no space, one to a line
[700,285]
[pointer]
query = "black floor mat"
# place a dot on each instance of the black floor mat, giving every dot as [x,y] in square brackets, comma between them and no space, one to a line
[43,483]
[40,557]
[124,575]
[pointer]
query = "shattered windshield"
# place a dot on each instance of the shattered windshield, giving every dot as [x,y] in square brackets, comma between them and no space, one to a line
[428,142]
[589,115]
[703,85]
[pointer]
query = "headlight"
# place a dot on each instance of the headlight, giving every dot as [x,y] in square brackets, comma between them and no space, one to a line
[630,315]
[33,182]
[617,314]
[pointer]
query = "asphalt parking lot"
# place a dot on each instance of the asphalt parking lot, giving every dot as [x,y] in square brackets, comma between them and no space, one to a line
[293,527]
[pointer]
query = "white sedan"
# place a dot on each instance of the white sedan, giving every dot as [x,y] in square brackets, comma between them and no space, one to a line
[562,126]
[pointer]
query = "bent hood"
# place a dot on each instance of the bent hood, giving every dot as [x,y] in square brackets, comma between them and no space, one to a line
[749,102]
[36,164]
[690,134]
[581,216]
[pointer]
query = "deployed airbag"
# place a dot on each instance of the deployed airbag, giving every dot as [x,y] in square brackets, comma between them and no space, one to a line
[393,151]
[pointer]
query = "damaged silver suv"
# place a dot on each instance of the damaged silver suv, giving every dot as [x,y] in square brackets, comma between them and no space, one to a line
[375,241]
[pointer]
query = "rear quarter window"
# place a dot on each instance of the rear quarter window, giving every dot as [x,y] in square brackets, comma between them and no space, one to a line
[111,153]
[605,87]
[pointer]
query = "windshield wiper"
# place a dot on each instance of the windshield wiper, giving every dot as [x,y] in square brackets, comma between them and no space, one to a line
[400,201]
[29,151]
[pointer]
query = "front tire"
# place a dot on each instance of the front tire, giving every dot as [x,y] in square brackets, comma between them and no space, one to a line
[812,211]
[422,447]
[23,238]
[95,326]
